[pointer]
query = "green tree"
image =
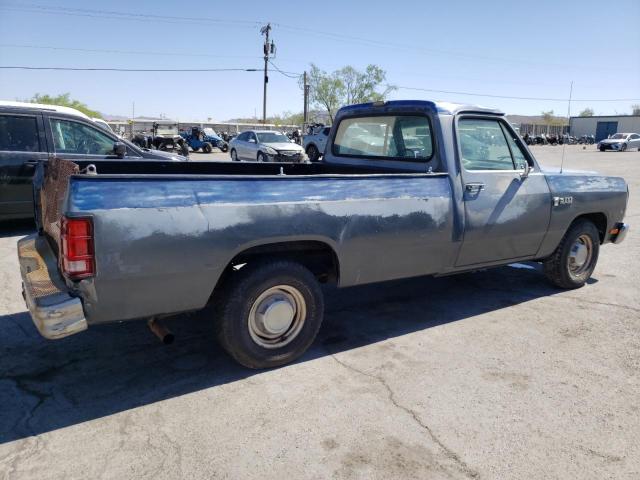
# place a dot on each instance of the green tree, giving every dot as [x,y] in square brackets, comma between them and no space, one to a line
[65,100]
[635,109]
[587,112]
[330,91]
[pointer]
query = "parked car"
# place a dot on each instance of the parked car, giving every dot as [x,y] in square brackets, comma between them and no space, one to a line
[256,240]
[315,142]
[265,146]
[30,133]
[204,139]
[620,142]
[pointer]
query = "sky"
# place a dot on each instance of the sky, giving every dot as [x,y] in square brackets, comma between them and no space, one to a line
[499,48]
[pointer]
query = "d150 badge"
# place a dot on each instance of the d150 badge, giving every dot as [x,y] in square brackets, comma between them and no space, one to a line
[557,201]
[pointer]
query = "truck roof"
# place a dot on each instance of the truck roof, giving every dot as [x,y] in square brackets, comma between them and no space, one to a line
[447,108]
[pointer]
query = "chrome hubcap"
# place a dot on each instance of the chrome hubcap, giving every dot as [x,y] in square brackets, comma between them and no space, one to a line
[277,316]
[580,255]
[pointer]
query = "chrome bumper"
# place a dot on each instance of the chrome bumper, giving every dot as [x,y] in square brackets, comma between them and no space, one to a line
[622,228]
[55,313]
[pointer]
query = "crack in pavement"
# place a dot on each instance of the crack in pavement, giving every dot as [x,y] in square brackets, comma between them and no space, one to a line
[462,465]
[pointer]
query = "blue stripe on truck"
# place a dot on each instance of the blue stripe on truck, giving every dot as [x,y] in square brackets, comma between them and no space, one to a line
[88,194]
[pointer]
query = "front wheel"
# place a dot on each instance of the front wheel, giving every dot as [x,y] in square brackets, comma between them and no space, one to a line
[269,313]
[573,261]
[234,155]
[313,153]
[262,157]
[207,148]
[623,148]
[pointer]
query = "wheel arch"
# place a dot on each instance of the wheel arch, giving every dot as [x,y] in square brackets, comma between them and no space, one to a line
[599,219]
[318,254]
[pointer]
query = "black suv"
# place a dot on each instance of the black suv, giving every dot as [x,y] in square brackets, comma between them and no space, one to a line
[33,133]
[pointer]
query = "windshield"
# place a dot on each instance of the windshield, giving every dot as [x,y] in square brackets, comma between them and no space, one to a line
[618,136]
[272,137]
[210,132]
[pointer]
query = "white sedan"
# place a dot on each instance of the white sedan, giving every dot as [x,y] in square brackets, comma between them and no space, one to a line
[265,146]
[620,142]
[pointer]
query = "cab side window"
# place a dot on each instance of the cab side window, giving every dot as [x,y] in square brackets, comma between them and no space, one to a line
[76,137]
[483,145]
[18,134]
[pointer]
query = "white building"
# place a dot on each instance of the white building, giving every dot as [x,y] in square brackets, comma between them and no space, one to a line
[603,126]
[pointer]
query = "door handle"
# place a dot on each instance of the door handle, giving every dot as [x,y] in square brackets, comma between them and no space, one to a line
[474,187]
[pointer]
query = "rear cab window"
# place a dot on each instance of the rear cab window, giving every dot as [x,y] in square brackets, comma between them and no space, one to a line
[385,137]
[19,133]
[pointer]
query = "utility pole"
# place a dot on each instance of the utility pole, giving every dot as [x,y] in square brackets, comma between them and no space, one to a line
[306,99]
[268,49]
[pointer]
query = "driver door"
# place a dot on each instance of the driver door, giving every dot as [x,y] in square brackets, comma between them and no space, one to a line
[506,213]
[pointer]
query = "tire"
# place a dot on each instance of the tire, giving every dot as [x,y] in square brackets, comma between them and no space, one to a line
[261,157]
[224,147]
[234,155]
[623,148]
[278,284]
[207,148]
[602,149]
[567,267]
[195,149]
[313,153]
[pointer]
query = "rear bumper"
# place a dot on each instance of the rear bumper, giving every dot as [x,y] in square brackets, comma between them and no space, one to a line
[55,313]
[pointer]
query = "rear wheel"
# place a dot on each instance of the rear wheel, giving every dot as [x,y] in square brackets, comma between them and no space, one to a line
[207,148]
[234,155]
[269,313]
[313,153]
[224,147]
[573,262]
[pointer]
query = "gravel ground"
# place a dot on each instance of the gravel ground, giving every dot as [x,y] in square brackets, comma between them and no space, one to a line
[489,375]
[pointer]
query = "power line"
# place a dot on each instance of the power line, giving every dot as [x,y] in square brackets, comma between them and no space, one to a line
[112,14]
[125,52]
[100,69]
[286,74]
[476,94]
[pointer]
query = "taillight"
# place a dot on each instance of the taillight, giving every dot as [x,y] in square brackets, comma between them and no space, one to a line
[77,257]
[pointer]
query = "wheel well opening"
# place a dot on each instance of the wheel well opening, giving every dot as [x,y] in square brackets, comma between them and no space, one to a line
[317,256]
[599,220]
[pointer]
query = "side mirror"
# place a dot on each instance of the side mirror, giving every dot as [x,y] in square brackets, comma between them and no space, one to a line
[526,171]
[119,149]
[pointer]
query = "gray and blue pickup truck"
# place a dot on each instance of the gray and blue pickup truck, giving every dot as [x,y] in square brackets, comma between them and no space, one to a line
[406,188]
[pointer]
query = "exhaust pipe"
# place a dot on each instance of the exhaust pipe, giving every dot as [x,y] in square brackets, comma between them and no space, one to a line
[161,331]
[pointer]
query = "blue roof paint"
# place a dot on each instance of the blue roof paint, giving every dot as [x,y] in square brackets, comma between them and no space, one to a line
[446,108]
